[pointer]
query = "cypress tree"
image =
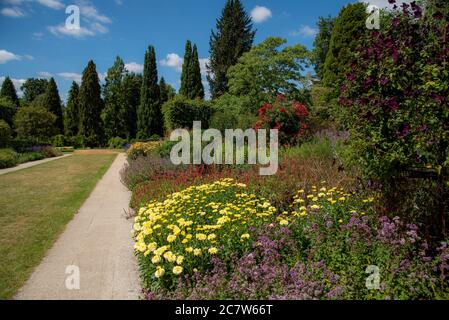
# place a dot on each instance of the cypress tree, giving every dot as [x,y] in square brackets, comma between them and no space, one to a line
[197,89]
[114,115]
[8,90]
[186,71]
[164,90]
[234,36]
[132,84]
[72,111]
[349,28]
[90,106]
[149,115]
[52,102]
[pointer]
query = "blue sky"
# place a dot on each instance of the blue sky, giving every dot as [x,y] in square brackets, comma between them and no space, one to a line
[35,43]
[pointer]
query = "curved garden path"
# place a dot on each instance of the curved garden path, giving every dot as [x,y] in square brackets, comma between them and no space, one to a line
[98,242]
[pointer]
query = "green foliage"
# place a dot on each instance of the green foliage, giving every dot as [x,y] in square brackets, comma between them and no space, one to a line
[395,103]
[8,158]
[167,91]
[233,37]
[7,110]
[132,84]
[181,112]
[30,156]
[349,29]
[266,70]
[90,106]
[149,115]
[32,88]
[321,43]
[117,143]
[72,111]
[164,149]
[5,133]
[323,108]
[191,84]
[231,112]
[114,112]
[52,102]
[59,141]
[65,149]
[9,91]
[34,122]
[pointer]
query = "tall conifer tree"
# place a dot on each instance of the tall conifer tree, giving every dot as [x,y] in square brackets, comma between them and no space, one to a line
[149,115]
[234,36]
[197,89]
[72,111]
[90,106]
[9,91]
[186,74]
[52,102]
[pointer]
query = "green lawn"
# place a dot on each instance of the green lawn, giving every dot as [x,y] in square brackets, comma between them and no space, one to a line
[35,206]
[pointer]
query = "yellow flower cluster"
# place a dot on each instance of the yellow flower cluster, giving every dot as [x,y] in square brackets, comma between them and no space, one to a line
[142,149]
[334,200]
[178,234]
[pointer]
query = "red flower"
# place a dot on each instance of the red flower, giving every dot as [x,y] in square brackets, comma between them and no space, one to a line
[282,110]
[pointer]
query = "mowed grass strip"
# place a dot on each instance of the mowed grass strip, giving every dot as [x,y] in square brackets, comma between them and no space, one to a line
[35,206]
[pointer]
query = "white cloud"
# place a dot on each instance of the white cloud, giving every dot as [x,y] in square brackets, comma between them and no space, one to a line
[92,23]
[13,12]
[134,67]
[305,31]
[38,35]
[44,74]
[203,65]
[173,60]
[63,30]
[72,76]
[260,14]
[53,4]
[6,56]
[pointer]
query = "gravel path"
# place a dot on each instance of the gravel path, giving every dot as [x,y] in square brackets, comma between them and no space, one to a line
[98,243]
[30,164]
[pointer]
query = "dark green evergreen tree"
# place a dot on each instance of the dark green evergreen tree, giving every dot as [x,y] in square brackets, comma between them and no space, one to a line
[52,102]
[349,29]
[32,88]
[9,91]
[197,89]
[114,114]
[132,84]
[72,111]
[186,71]
[234,36]
[164,90]
[90,107]
[321,43]
[149,115]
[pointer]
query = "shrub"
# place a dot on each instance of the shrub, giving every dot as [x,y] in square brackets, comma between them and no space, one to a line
[50,152]
[117,143]
[59,141]
[164,149]
[34,122]
[7,110]
[180,235]
[181,113]
[289,117]
[142,149]
[5,133]
[8,158]
[30,156]
[395,100]
[65,149]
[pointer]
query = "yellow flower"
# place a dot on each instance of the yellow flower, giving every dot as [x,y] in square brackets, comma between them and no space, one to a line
[152,246]
[180,260]
[197,252]
[189,249]
[177,270]
[340,221]
[159,272]
[171,238]
[212,236]
[315,207]
[341,199]
[283,222]
[201,236]
[213,250]
[195,270]
[245,236]
[156,259]
[169,256]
